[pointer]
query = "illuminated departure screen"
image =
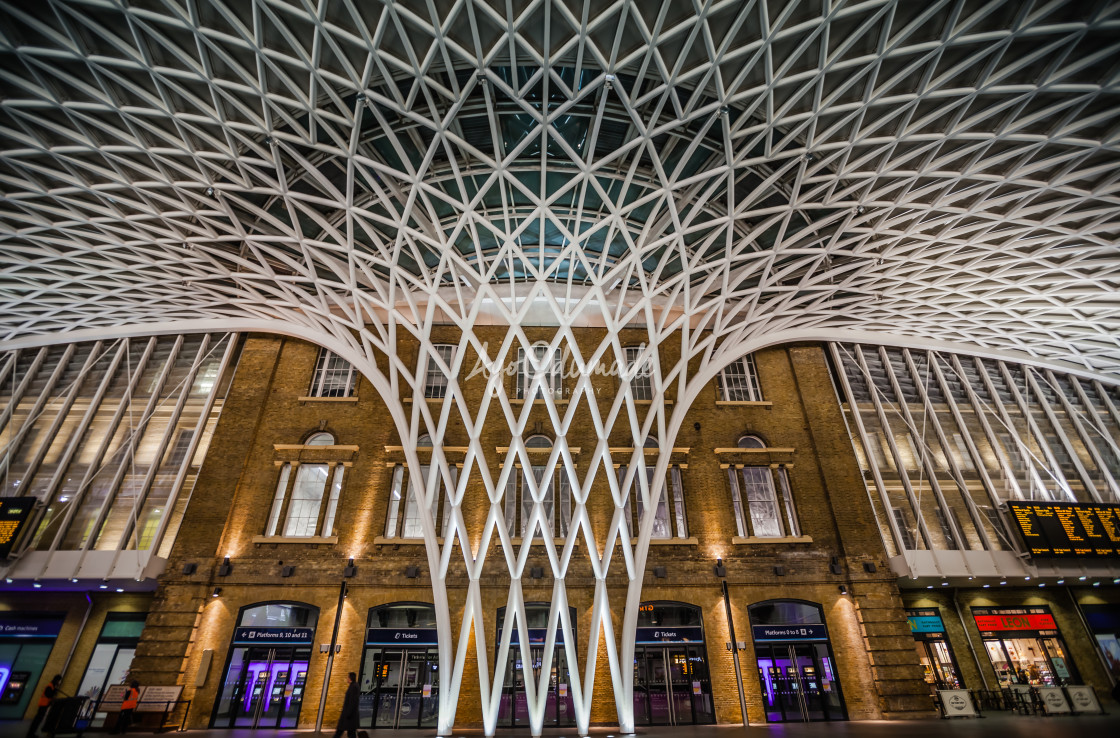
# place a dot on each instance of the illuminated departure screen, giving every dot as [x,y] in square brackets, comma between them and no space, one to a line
[1068,529]
[14,512]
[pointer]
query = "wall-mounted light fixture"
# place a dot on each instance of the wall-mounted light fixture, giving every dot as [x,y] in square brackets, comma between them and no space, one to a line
[412,572]
[287,571]
[217,592]
[843,589]
[834,565]
[189,569]
[779,571]
[537,572]
[225,568]
[660,572]
[720,570]
[869,567]
[350,569]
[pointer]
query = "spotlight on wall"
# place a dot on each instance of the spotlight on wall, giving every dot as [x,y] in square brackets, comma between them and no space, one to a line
[834,565]
[217,592]
[189,569]
[660,572]
[536,572]
[720,570]
[843,589]
[350,569]
[695,426]
[287,571]
[779,571]
[869,567]
[225,568]
[412,572]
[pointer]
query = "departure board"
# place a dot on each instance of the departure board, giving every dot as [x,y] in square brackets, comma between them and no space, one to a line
[1068,529]
[14,513]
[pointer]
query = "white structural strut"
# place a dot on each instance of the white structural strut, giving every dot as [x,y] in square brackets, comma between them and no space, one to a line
[710,176]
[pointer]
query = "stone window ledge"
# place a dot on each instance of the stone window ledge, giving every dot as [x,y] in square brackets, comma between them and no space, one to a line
[329,399]
[738,540]
[301,540]
[691,541]
[744,403]
[397,540]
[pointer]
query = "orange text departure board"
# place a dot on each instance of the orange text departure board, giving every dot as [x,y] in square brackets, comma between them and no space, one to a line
[1067,529]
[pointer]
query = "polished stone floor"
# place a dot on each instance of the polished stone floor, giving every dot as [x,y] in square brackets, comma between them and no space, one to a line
[994,724]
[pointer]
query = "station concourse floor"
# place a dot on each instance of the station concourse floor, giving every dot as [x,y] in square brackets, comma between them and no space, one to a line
[993,724]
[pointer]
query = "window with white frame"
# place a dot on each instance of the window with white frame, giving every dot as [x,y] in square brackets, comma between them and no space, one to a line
[435,380]
[669,516]
[404,518]
[334,376]
[554,491]
[759,509]
[738,382]
[306,498]
[639,371]
[542,363]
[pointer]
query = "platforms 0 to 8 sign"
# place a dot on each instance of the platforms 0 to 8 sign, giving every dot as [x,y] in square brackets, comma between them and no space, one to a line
[1068,529]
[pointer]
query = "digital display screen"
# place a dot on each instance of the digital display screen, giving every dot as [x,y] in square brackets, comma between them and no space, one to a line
[1067,529]
[14,514]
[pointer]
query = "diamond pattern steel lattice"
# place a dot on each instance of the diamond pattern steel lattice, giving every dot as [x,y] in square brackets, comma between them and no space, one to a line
[717,174]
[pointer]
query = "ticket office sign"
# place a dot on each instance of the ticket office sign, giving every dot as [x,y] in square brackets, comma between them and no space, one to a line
[1067,529]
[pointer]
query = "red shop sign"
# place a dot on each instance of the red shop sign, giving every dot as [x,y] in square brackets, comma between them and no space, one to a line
[1031,621]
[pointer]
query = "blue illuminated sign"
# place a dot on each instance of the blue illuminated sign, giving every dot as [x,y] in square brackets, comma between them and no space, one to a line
[401,637]
[273,636]
[926,624]
[765,633]
[684,634]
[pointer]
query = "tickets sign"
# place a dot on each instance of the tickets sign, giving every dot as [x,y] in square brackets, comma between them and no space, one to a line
[1067,529]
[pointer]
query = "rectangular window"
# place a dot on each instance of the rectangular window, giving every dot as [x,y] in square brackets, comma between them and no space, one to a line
[332,501]
[509,501]
[307,497]
[641,387]
[738,382]
[528,368]
[334,376]
[737,502]
[787,501]
[909,541]
[946,529]
[394,502]
[678,501]
[278,500]
[411,525]
[435,380]
[758,486]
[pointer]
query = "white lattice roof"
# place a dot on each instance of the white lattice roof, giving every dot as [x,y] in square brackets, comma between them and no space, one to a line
[938,171]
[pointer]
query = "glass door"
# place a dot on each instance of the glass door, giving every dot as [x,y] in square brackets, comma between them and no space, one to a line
[671,686]
[798,683]
[263,688]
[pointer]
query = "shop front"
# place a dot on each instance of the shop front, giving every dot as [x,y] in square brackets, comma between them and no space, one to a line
[935,654]
[671,681]
[266,672]
[796,669]
[26,640]
[559,707]
[1025,646]
[400,668]
[112,656]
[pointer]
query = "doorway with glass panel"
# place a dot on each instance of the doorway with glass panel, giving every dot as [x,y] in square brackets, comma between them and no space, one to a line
[559,708]
[400,668]
[796,669]
[671,681]
[265,677]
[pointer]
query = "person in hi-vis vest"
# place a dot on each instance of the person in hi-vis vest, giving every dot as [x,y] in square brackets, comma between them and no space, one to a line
[128,706]
[45,701]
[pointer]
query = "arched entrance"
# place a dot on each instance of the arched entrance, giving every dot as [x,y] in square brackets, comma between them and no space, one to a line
[671,682]
[266,670]
[400,667]
[796,670]
[559,707]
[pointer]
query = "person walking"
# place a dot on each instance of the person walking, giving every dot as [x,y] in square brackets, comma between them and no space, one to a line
[128,706]
[348,720]
[45,700]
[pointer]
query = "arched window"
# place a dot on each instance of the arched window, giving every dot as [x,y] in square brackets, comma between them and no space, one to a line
[538,363]
[754,497]
[334,376]
[552,489]
[435,380]
[738,382]
[297,507]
